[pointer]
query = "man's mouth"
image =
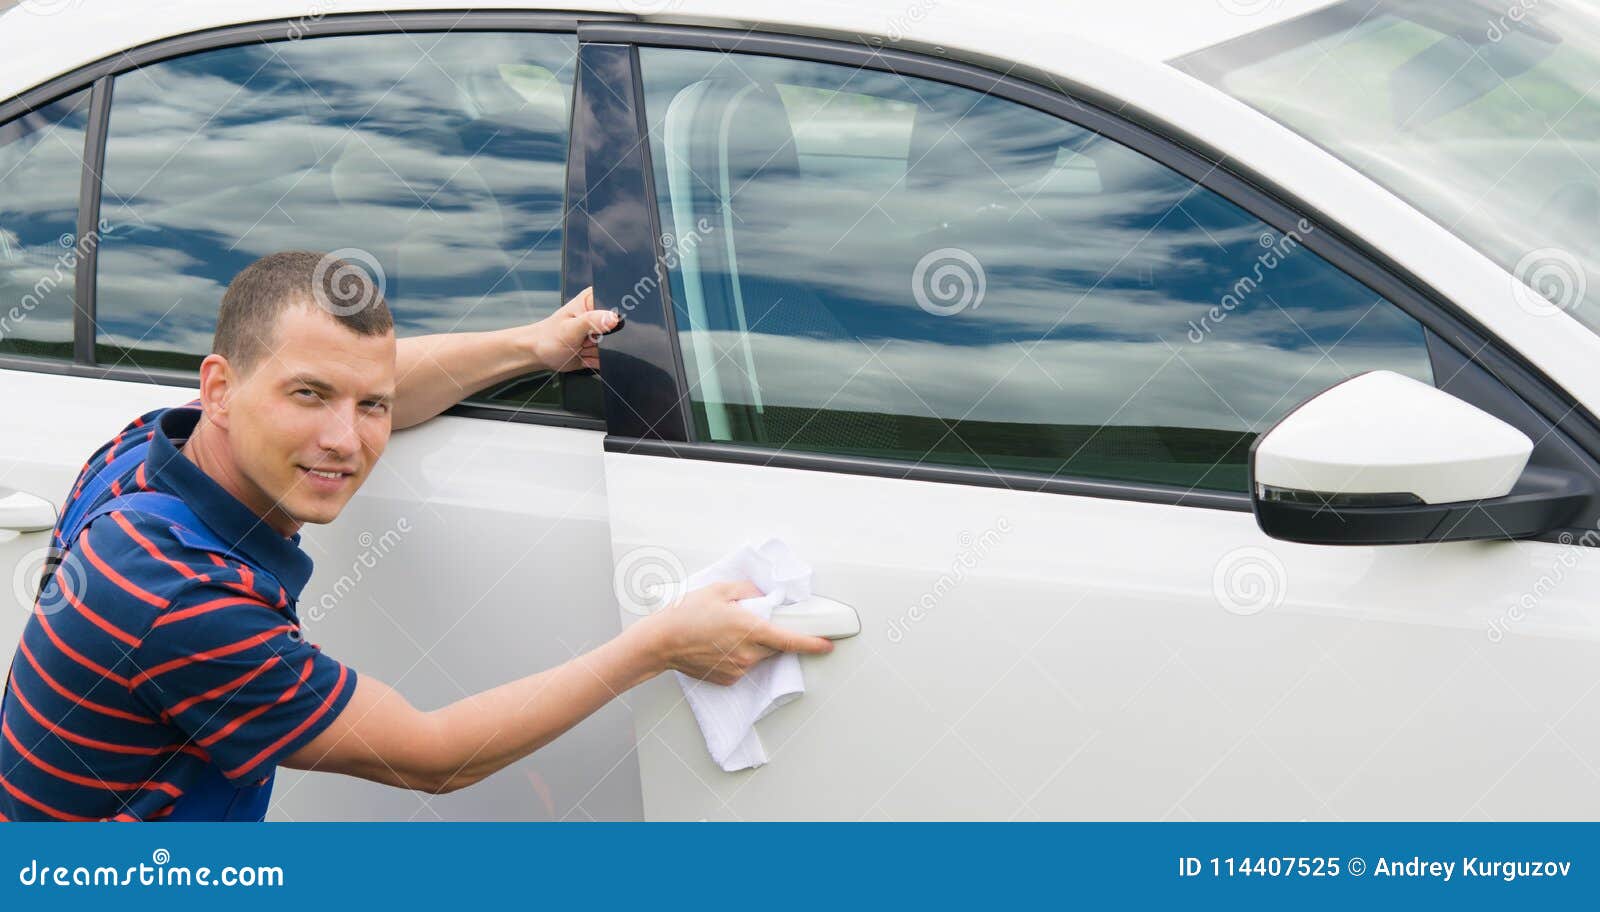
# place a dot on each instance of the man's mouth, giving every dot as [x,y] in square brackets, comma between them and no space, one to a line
[325,479]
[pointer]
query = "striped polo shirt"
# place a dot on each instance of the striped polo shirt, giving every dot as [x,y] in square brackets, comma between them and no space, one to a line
[148,661]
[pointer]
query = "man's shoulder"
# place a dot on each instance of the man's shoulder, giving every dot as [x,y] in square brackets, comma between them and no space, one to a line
[175,564]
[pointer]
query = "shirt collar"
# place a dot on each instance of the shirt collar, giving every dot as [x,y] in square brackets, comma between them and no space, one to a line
[225,514]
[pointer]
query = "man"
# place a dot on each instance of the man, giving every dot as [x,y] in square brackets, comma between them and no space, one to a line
[169,679]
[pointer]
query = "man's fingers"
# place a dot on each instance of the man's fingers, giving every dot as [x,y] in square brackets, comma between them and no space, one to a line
[581,303]
[736,591]
[599,321]
[788,641]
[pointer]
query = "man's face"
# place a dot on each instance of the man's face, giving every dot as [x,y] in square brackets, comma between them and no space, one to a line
[309,420]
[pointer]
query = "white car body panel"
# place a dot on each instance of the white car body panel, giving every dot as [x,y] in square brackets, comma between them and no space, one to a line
[1101,659]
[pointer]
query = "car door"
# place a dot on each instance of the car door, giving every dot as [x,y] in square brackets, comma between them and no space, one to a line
[992,360]
[429,150]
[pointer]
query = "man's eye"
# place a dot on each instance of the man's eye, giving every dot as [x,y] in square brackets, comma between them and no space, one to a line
[376,406]
[305,393]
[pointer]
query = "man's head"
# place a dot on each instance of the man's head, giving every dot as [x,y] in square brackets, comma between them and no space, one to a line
[298,389]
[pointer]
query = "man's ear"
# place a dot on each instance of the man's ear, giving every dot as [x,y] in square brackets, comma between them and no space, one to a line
[217,384]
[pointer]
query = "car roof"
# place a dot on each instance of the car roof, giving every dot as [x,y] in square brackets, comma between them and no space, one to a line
[46,38]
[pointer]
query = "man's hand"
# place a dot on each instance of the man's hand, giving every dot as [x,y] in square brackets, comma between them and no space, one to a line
[566,340]
[436,371]
[380,736]
[707,635]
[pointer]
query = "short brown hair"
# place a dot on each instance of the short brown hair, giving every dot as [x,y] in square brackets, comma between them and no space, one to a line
[304,278]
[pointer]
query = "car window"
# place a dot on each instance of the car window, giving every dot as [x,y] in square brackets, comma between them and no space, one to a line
[872,265]
[437,162]
[41,171]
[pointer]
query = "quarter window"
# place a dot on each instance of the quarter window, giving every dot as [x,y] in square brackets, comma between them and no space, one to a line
[41,172]
[872,265]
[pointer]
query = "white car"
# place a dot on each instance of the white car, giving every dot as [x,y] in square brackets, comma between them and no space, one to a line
[1194,399]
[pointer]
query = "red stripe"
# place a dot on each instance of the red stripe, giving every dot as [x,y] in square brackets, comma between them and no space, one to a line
[85,702]
[138,422]
[138,477]
[111,451]
[218,691]
[209,654]
[76,779]
[239,722]
[96,619]
[148,545]
[74,655]
[208,607]
[97,744]
[121,581]
[4,819]
[338,688]
[38,805]
[116,487]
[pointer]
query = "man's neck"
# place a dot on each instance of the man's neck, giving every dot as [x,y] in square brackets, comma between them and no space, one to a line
[206,448]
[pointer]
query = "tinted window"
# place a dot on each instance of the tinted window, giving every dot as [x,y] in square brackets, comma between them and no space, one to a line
[41,170]
[435,160]
[866,264]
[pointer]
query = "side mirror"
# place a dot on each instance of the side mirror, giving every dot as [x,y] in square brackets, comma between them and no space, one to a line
[1383,459]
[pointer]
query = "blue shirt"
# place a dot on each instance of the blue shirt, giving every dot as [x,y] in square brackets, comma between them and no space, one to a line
[149,663]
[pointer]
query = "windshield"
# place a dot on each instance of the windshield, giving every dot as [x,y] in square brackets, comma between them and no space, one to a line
[1480,114]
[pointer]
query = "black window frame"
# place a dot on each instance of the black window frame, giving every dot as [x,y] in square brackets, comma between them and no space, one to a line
[99,76]
[1462,351]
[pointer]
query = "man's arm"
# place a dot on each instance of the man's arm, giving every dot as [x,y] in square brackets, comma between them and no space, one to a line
[382,737]
[436,371]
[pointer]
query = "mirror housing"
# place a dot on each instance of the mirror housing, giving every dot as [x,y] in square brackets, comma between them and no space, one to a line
[1385,459]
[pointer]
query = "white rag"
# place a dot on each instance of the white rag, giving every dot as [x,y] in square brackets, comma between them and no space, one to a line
[728,714]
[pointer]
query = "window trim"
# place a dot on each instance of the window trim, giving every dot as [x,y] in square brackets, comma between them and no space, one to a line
[1196,160]
[98,77]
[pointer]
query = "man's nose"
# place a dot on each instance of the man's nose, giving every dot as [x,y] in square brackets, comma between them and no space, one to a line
[338,432]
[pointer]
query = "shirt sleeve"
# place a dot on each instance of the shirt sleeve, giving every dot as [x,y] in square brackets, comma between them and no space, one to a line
[237,677]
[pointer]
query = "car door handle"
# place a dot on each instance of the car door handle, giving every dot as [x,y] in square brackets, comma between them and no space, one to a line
[818,616]
[24,512]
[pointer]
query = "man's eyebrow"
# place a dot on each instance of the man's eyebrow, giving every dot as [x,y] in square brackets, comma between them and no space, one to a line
[320,386]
